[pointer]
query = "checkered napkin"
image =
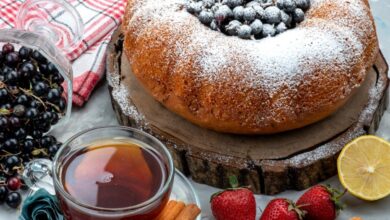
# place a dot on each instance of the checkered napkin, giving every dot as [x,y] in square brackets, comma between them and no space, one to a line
[100,18]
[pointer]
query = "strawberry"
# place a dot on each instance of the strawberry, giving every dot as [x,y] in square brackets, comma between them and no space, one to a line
[234,204]
[320,203]
[282,209]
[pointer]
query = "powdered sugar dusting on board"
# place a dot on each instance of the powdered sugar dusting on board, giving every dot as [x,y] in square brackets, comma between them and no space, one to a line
[121,95]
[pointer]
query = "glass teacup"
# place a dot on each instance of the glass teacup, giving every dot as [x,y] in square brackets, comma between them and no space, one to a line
[40,172]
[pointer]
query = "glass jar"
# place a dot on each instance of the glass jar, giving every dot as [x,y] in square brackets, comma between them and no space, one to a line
[54,29]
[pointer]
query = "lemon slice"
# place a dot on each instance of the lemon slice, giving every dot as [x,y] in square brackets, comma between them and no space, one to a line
[364,167]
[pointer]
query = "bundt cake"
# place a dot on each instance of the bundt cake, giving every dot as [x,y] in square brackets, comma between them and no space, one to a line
[234,71]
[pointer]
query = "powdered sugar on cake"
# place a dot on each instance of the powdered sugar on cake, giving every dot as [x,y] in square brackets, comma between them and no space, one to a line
[272,62]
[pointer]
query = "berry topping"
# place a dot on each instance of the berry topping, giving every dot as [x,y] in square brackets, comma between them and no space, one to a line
[264,18]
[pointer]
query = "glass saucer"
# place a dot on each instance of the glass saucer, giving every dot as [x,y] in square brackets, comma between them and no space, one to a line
[183,191]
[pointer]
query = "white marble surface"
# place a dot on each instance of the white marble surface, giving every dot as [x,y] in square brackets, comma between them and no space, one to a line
[98,112]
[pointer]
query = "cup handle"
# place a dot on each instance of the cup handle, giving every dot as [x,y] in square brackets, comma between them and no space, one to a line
[37,174]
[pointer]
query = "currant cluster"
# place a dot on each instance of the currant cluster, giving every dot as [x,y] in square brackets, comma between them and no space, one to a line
[249,19]
[10,190]
[30,103]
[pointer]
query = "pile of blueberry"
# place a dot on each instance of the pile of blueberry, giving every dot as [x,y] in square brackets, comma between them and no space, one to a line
[30,103]
[249,19]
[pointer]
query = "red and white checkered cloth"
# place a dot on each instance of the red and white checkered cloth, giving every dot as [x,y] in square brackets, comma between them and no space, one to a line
[100,18]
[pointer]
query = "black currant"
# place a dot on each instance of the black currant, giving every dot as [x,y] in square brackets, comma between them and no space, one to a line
[14,122]
[12,59]
[54,96]
[40,88]
[45,127]
[20,134]
[36,133]
[3,194]
[55,118]
[19,110]
[32,113]
[12,77]
[11,145]
[22,99]
[62,104]
[47,141]
[52,150]
[38,57]
[13,199]
[28,146]
[58,78]
[3,94]
[12,161]
[24,52]
[3,123]
[8,48]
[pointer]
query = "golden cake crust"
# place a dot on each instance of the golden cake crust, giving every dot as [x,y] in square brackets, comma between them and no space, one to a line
[246,86]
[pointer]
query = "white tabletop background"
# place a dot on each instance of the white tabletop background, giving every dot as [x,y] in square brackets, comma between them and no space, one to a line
[98,112]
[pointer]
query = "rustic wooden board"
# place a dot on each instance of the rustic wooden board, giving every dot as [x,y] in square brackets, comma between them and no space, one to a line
[269,164]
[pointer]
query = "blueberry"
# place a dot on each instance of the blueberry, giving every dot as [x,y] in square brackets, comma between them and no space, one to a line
[286,18]
[24,53]
[298,15]
[222,13]
[208,3]
[289,5]
[303,4]
[232,27]
[252,3]
[280,4]
[238,13]
[272,15]
[249,14]
[281,27]
[244,31]
[260,12]
[257,27]
[195,7]
[206,17]
[233,3]
[268,30]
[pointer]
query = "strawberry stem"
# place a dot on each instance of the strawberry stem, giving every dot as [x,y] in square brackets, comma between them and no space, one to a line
[233,182]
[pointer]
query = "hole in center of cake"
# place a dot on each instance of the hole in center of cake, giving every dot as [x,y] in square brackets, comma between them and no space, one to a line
[249,19]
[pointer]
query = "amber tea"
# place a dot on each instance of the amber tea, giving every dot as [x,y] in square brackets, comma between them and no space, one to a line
[113,175]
